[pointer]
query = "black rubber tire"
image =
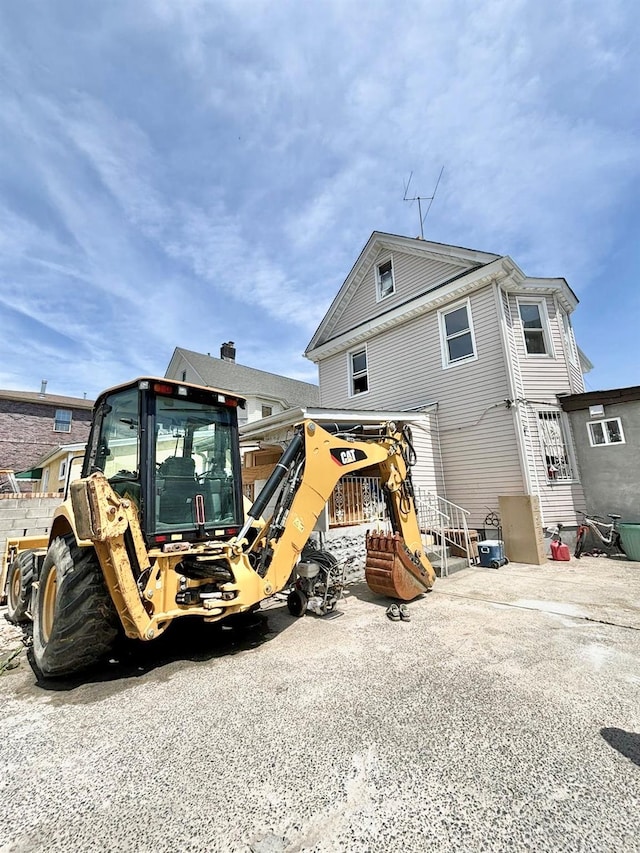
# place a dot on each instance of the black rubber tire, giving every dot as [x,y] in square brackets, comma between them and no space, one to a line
[495,564]
[297,602]
[580,541]
[81,624]
[19,580]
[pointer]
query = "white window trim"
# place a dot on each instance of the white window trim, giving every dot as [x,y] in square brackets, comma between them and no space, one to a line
[570,340]
[69,423]
[62,469]
[607,443]
[546,328]
[444,349]
[379,296]
[351,353]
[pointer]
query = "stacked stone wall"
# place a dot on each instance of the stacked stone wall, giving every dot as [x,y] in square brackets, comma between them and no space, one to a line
[25,515]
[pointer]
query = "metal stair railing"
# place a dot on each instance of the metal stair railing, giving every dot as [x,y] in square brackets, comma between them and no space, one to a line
[447,522]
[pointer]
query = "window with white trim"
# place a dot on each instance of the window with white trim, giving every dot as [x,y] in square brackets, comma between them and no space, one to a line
[569,340]
[385,282]
[62,422]
[62,470]
[555,447]
[535,327]
[607,431]
[358,372]
[267,411]
[456,334]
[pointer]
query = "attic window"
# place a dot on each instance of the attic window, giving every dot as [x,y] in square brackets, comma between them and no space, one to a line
[385,281]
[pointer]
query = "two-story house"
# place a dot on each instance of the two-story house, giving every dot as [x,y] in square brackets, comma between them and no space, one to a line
[481,349]
[33,424]
[266,393]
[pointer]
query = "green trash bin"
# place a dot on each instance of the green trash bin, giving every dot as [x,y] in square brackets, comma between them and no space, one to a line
[630,538]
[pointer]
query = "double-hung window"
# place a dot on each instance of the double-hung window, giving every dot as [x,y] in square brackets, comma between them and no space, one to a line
[608,431]
[555,446]
[569,340]
[384,280]
[62,422]
[535,326]
[358,372]
[456,334]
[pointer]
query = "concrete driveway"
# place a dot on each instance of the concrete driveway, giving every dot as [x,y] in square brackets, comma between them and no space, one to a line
[505,716]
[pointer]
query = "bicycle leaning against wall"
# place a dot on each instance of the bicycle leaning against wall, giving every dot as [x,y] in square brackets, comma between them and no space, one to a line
[607,534]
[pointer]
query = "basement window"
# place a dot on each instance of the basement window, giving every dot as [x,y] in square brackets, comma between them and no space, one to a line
[62,421]
[359,373]
[605,432]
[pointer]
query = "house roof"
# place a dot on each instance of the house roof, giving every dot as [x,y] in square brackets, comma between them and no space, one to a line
[474,269]
[247,381]
[269,427]
[61,450]
[47,399]
[575,402]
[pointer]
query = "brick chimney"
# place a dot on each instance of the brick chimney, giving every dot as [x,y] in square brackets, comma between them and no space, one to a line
[228,351]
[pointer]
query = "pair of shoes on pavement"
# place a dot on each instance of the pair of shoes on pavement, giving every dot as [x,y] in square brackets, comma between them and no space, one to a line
[396,612]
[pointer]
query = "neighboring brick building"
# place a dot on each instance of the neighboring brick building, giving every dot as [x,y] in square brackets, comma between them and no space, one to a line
[32,424]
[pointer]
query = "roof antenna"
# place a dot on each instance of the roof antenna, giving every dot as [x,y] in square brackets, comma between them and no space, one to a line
[420,199]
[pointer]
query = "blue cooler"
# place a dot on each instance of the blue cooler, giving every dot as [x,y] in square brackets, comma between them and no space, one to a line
[491,553]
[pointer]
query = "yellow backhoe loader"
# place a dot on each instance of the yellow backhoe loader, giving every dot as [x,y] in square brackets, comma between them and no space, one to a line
[156,528]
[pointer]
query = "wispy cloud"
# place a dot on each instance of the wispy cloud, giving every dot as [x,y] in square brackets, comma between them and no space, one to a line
[183,173]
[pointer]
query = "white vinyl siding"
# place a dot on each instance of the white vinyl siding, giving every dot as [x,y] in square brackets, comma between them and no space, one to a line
[542,377]
[417,276]
[539,380]
[477,436]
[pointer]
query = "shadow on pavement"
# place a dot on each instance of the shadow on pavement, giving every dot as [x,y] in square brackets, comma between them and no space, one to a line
[627,743]
[185,640]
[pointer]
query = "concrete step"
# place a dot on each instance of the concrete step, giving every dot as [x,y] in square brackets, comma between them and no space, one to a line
[454,564]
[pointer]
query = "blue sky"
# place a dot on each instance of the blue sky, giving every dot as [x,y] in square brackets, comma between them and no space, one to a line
[186,172]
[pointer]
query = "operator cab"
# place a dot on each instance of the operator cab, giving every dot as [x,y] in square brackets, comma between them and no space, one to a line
[173,449]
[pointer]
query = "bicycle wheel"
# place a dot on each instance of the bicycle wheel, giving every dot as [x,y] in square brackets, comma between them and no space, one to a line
[581,538]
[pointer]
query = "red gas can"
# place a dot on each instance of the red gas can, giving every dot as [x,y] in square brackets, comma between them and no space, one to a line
[560,551]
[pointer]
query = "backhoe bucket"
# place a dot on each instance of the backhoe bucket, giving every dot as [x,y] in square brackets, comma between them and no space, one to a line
[391,571]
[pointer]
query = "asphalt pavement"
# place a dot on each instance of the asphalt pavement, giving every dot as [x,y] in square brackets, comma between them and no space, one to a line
[505,716]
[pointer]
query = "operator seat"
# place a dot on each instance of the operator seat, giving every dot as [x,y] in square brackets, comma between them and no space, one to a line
[178,490]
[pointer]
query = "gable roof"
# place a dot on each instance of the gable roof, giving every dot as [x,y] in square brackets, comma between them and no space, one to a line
[461,260]
[461,270]
[47,399]
[247,381]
